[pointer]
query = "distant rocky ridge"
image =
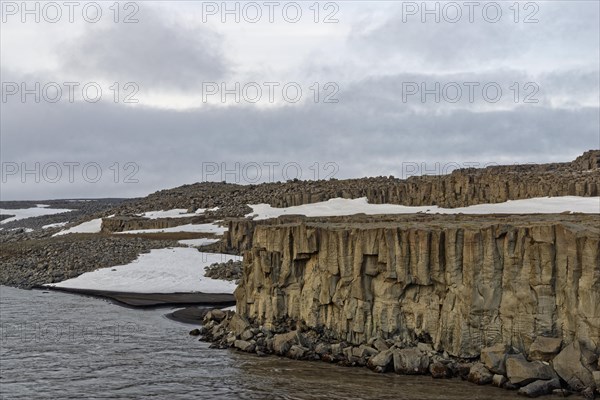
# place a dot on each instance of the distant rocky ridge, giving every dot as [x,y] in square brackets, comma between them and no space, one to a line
[463,187]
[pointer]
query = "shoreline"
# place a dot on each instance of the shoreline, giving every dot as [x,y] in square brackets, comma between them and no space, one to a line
[152,300]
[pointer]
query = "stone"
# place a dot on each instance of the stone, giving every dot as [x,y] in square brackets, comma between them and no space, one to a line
[522,372]
[425,347]
[539,388]
[297,352]
[463,369]
[382,362]
[364,351]
[380,344]
[410,361]
[244,346]
[195,332]
[494,358]
[283,342]
[499,380]
[238,324]
[544,348]
[596,375]
[480,375]
[215,315]
[439,370]
[322,348]
[573,364]
[247,334]
[336,349]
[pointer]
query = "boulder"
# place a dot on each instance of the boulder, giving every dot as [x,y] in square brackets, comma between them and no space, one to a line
[382,362]
[283,342]
[336,349]
[539,388]
[596,375]
[574,365]
[238,324]
[439,370]
[380,344]
[494,358]
[244,346]
[425,347]
[479,374]
[544,348]
[322,348]
[247,334]
[195,332]
[522,372]
[499,380]
[410,361]
[364,351]
[297,352]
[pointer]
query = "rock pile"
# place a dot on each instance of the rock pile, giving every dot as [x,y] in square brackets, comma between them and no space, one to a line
[573,369]
[31,263]
[229,271]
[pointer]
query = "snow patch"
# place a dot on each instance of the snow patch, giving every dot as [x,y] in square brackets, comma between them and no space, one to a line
[195,228]
[56,225]
[92,226]
[339,207]
[174,213]
[198,242]
[24,213]
[170,270]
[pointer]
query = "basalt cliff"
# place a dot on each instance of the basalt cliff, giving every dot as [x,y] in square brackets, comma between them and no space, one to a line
[512,300]
[461,283]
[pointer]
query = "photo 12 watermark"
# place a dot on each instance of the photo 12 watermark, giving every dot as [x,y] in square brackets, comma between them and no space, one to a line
[471,92]
[61,332]
[453,12]
[253,12]
[53,12]
[70,172]
[267,171]
[269,92]
[54,92]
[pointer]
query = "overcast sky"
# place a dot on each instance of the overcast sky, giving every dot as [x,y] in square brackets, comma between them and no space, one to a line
[343,89]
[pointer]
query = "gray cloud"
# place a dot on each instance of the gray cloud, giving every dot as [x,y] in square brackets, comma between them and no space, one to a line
[154,53]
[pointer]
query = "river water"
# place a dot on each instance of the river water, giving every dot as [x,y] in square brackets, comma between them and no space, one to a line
[63,346]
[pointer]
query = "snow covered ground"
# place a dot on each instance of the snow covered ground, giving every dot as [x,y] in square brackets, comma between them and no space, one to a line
[195,228]
[92,226]
[198,242]
[23,213]
[174,213]
[170,270]
[339,206]
[56,225]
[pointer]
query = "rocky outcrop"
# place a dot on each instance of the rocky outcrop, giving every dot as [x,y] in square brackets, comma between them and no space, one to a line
[129,223]
[462,187]
[462,283]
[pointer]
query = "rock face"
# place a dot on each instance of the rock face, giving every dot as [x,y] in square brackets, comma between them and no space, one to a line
[462,187]
[461,282]
[522,372]
[575,365]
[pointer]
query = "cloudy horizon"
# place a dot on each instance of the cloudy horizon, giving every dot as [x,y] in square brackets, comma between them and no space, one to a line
[328,89]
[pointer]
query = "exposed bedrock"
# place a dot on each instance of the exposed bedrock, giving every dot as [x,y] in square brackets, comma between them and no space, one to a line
[463,286]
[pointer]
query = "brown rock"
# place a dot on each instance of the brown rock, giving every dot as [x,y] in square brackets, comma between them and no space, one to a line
[480,375]
[522,372]
[544,348]
[574,365]
[410,361]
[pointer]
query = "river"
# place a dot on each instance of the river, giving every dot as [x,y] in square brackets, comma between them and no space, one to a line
[63,346]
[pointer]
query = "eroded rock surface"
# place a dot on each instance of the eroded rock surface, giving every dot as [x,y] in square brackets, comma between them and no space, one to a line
[463,282]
